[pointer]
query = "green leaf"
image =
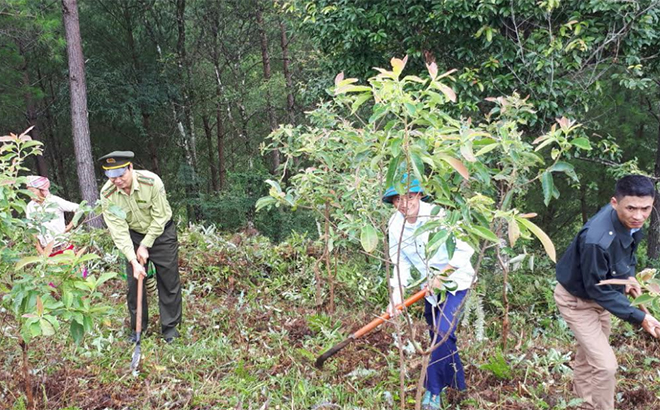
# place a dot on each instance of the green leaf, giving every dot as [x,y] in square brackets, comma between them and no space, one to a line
[369,238]
[391,172]
[417,165]
[88,324]
[456,164]
[581,143]
[566,168]
[438,239]
[411,109]
[67,298]
[274,184]
[542,236]
[105,277]
[88,257]
[35,329]
[428,226]
[77,331]
[77,217]
[46,328]
[117,211]
[27,261]
[359,101]
[485,233]
[643,299]
[451,246]
[548,187]
[265,202]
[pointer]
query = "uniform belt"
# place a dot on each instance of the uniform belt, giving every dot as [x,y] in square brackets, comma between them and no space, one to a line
[167,225]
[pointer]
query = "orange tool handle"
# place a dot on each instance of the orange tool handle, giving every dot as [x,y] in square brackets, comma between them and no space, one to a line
[386,316]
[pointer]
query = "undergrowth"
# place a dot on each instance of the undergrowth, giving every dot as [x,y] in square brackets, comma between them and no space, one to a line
[252,329]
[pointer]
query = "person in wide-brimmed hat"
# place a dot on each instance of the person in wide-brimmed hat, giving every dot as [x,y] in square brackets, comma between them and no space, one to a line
[408,250]
[46,213]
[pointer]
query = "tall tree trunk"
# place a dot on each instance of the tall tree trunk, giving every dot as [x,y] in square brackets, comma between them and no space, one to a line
[290,102]
[222,166]
[584,210]
[185,81]
[209,147]
[151,143]
[653,242]
[79,121]
[265,58]
[57,159]
[174,106]
[31,111]
[144,110]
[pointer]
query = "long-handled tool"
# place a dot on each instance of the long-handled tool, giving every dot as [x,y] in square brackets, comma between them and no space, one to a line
[138,328]
[366,329]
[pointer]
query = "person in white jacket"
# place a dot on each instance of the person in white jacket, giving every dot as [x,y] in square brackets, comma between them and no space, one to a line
[455,275]
[46,213]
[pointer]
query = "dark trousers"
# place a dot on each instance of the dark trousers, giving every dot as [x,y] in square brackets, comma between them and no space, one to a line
[165,256]
[445,367]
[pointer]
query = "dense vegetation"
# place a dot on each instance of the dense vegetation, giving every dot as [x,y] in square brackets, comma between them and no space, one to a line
[540,107]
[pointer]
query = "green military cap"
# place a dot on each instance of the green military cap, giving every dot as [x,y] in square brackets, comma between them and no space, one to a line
[115,163]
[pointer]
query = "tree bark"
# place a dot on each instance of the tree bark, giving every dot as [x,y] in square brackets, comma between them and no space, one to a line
[290,101]
[185,143]
[653,244]
[265,58]
[209,147]
[185,81]
[31,111]
[144,109]
[79,121]
[55,152]
[220,135]
[151,144]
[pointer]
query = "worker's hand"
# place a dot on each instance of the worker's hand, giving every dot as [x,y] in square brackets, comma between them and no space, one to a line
[138,269]
[142,254]
[437,282]
[397,299]
[633,289]
[651,325]
[68,227]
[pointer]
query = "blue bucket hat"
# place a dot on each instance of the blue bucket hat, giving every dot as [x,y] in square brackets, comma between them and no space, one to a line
[391,192]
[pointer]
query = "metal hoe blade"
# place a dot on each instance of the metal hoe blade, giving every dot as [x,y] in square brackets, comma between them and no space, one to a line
[136,356]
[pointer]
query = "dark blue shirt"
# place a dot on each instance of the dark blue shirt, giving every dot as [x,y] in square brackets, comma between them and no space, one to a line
[603,249]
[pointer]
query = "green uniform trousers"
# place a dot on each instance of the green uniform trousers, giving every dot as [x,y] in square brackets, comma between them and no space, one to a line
[165,256]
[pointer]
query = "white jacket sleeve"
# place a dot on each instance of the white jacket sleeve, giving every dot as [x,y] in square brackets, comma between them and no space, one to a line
[400,263]
[65,205]
[462,255]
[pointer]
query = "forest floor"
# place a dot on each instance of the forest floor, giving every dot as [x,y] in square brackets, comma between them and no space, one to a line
[249,342]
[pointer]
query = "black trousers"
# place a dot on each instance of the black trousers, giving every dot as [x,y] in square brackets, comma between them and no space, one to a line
[165,256]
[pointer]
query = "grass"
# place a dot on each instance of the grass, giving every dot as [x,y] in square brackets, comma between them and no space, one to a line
[251,332]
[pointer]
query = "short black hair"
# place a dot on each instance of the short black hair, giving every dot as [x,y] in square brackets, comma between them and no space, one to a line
[634,185]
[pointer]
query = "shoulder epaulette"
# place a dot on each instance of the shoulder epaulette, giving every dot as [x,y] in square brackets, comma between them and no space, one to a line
[606,239]
[145,180]
[109,191]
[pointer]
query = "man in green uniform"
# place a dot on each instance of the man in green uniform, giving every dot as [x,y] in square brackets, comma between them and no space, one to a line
[143,231]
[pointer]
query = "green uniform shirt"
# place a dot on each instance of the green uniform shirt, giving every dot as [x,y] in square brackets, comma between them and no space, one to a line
[146,207]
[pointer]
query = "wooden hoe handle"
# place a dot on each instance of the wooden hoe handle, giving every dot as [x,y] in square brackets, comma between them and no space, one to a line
[386,316]
[368,328]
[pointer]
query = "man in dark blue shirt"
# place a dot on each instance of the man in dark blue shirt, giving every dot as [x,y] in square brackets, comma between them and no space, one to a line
[603,249]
